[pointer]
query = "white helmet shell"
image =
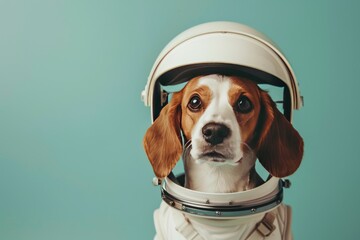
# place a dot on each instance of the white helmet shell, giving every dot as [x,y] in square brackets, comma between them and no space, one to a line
[225,48]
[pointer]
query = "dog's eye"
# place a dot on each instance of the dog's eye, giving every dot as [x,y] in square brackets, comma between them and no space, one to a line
[243,105]
[195,103]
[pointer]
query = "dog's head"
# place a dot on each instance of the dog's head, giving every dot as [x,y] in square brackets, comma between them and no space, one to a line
[225,118]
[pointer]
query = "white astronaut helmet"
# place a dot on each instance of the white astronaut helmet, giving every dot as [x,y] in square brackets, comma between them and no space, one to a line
[223,48]
[227,48]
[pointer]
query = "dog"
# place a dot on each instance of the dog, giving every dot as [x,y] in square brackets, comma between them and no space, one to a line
[231,123]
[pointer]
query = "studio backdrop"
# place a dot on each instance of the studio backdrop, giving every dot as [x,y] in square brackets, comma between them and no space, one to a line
[72,164]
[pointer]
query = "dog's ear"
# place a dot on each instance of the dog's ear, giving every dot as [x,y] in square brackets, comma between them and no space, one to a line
[162,141]
[280,147]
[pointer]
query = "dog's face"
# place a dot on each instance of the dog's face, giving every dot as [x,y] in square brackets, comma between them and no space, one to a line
[219,116]
[225,118]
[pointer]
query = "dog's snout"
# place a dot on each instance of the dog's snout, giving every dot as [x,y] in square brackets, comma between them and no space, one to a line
[215,133]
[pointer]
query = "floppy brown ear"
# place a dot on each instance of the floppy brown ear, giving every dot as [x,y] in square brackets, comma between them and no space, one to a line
[280,147]
[162,141]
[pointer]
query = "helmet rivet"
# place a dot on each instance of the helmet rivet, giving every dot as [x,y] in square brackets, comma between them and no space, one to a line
[286,183]
[156,181]
[207,201]
[183,207]
[253,210]
[218,213]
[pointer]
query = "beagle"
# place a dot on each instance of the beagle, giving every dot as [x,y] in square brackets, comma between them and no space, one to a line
[230,122]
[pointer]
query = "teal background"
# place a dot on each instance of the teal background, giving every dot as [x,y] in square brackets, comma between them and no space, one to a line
[71,120]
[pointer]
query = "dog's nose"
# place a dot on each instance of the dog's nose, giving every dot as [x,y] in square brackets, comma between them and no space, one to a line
[215,133]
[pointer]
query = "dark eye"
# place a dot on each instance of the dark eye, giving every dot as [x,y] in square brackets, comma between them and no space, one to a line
[195,103]
[243,105]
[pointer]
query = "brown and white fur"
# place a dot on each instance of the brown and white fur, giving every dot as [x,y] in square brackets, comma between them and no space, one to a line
[230,122]
[225,164]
